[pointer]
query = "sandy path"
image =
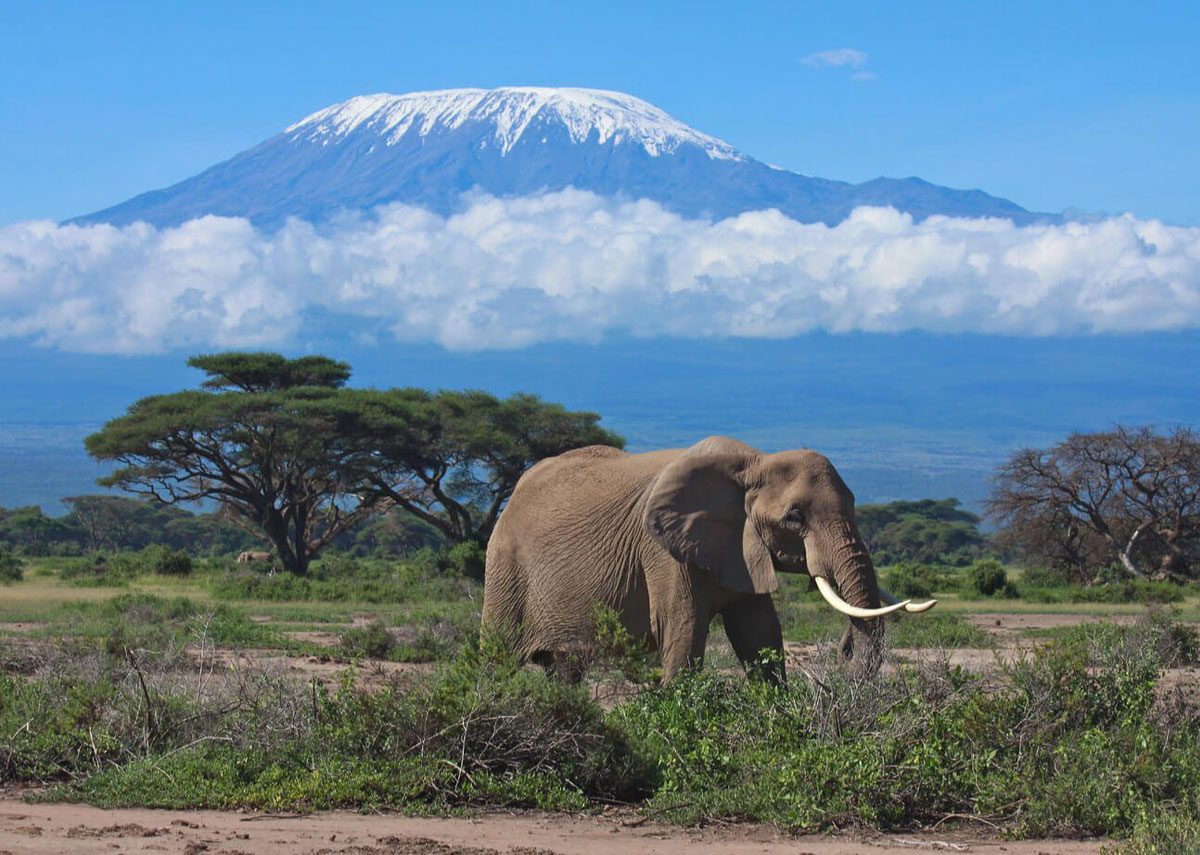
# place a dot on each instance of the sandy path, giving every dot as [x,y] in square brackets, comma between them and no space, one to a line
[81,829]
[1006,625]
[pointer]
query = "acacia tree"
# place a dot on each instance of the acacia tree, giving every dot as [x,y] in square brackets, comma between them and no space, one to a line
[452,459]
[263,438]
[34,533]
[1055,538]
[107,522]
[1130,494]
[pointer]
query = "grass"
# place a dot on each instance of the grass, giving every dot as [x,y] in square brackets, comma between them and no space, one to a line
[806,619]
[39,599]
[816,623]
[904,750]
[64,609]
[114,713]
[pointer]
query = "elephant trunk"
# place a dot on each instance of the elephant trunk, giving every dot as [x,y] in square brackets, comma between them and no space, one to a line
[845,561]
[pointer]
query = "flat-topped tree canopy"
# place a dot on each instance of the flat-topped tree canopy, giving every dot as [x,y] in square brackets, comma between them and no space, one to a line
[297,458]
[261,371]
[453,458]
[263,438]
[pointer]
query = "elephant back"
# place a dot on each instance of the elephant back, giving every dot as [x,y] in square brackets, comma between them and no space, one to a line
[592,451]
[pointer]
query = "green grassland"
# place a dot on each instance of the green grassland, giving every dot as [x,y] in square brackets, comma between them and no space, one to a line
[55,601]
[113,691]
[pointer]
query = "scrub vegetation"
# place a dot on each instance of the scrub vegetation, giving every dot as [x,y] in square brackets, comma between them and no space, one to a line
[171,690]
[1051,693]
[1078,737]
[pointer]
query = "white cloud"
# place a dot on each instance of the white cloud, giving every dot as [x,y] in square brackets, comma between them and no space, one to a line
[572,265]
[837,58]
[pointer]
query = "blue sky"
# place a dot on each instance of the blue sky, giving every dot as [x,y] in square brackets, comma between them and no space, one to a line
[1058,105]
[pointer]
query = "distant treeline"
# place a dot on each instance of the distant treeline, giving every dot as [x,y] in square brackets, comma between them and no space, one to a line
[928,531]
[114,523]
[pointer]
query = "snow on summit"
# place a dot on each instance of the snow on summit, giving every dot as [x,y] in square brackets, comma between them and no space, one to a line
[509,113]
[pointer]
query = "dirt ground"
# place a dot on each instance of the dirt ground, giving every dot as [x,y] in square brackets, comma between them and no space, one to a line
[57,828]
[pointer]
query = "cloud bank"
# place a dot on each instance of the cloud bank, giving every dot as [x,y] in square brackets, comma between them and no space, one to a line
[571,265]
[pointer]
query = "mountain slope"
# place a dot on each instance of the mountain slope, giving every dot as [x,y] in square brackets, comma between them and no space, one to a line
[428,148]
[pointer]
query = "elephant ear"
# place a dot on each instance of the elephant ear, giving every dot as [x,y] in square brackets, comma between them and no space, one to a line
[697,512]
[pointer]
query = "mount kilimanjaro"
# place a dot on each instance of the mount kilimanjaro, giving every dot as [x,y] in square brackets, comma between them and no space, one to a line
[429,148]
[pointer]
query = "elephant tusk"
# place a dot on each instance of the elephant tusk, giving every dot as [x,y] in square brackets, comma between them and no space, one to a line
[892,599]
[853,611]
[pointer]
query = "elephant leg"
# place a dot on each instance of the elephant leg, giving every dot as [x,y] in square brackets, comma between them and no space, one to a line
[682,646]
[681,607]
[752,625]
[566,665]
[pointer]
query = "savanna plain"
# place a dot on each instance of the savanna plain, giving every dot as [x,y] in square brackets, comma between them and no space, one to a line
[156,700]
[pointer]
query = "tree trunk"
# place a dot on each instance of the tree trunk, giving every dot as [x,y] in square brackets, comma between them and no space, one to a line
[1126,554]
[300,542]
[292,552]
[1174,564]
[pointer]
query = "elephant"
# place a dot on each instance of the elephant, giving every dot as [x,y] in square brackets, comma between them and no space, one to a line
[670,539]
[247,557]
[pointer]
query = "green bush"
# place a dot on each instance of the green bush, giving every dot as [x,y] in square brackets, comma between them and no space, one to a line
[93,571]
[349,580]
[988,578]
[1145,591]
[1076,740]
[908,580]
[428,635]
[168,563]
[130,565]
[159,627]
[483,730]
[1169,643]
[373,641]
[336,565]
[912,747]
[466,559]
[56,728]
[615,649]
[1044,577]
[436,634]
[1165,832]
[120,568]
[12,569]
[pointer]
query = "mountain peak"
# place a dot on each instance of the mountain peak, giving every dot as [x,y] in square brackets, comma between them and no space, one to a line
[430,148]
[506,115]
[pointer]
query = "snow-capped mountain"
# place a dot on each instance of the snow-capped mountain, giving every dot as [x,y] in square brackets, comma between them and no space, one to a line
[428,148]
[507,114]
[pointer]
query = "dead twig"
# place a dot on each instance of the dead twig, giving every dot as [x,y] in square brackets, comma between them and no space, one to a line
[966,816]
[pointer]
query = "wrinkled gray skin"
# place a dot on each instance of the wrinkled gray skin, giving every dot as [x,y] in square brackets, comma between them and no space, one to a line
[669,540]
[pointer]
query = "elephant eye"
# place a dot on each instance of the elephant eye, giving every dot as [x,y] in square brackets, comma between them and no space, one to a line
[795,516]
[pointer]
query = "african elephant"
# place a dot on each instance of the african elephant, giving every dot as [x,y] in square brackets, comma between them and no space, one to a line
[670,539]
[246,557]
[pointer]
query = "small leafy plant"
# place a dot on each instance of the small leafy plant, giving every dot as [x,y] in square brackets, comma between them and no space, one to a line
[11,566]
[373,641]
